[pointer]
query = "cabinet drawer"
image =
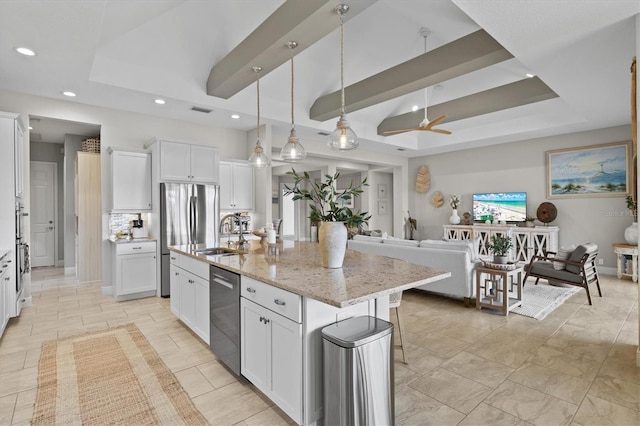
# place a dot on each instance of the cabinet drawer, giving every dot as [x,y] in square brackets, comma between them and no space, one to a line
[273,298]
[136,248]
[196,267]
[174,258]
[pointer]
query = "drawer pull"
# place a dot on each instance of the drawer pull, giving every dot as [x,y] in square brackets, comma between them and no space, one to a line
[136,248]
[279,302]
[251,290]
[172,258]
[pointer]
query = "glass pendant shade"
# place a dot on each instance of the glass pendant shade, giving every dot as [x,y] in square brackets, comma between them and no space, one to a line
[343,138]
[258,158]
[293,150]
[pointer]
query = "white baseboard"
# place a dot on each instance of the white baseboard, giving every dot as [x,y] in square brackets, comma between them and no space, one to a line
[607,270]
[107,290]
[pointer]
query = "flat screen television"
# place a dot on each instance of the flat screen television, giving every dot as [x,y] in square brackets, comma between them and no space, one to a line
[509,206]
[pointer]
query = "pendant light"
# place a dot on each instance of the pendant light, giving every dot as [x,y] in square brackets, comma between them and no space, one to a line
[293,150]
[258,158]
[342,138]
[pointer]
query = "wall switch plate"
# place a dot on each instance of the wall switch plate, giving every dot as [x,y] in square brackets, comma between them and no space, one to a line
[600,261]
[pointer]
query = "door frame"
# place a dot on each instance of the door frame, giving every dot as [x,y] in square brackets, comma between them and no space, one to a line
[296,213]
[56,261]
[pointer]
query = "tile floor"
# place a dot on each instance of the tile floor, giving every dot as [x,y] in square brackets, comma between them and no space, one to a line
[466,367]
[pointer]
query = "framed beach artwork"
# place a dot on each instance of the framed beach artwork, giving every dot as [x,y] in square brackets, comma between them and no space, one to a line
[592,171]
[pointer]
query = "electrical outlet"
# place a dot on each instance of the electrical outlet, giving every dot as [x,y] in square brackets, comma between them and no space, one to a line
[600,261]
[343,316]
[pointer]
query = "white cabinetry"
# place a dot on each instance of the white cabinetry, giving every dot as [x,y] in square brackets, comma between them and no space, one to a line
[130,180]
[190,293]
[135,270]
[185,162]
[5,288]
[527,242]
[236,186]
[271,354]
[19,159]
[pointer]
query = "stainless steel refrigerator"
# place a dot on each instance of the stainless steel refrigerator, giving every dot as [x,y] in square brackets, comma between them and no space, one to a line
[189,214]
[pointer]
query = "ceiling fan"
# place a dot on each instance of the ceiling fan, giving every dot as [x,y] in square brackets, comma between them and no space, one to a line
[424,124]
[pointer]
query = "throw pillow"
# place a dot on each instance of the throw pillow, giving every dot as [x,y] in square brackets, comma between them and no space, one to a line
[562,254]
[577,255]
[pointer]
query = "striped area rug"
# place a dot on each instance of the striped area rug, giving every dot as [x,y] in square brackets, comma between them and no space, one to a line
[111,376]
[540,300]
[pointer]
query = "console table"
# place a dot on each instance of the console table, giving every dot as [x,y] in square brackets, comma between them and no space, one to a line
[527,242]
[622,250]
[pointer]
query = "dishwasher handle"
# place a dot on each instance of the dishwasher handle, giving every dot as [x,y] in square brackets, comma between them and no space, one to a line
[219,280]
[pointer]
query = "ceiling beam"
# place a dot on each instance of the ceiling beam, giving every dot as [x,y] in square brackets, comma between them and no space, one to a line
[462,56]
[510,95]
[303,21]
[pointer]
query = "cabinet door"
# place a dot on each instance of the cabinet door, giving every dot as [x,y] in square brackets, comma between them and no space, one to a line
[19,161]
[201,305]
[175,161]
[131,180]
[175,287]
[285,378]
[187,299]
[136,273]
[4,308]
[204,164]
[253,338]
[226,185]
[243,186]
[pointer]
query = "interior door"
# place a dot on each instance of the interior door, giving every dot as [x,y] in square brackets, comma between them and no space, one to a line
[289,215]
[43,220]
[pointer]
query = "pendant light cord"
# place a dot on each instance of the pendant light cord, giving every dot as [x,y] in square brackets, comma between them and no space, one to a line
[342,108]
[292,121]
[258,104]
[425,89]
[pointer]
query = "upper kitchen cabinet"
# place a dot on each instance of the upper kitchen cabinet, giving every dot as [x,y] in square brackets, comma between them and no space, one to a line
[184,162]
[130,180]
[236,186]
[12,134]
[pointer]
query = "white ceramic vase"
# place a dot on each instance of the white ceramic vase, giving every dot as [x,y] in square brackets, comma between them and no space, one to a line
[454,219]
[631,234]
[332,237]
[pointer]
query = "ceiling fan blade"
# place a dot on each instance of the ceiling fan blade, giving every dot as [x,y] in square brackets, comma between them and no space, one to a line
[437,120]
[444,132]
[388,132]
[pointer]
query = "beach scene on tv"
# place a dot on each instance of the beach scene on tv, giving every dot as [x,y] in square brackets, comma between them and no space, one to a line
[501,206]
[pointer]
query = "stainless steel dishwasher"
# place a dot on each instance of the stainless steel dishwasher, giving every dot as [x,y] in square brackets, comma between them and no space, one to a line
[224,316]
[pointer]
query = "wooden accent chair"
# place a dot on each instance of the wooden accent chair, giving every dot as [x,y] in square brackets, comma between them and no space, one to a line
[579,269]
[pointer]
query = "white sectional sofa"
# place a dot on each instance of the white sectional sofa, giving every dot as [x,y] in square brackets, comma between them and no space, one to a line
[457,257]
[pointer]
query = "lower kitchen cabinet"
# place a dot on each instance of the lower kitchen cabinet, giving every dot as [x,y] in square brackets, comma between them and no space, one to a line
[271,356]
[5,284]
[134,269]
[190,294]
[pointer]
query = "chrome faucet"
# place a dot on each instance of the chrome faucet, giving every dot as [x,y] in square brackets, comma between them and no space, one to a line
[234,216]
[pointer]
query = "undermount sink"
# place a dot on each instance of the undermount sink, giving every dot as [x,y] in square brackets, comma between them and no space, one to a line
[215,251]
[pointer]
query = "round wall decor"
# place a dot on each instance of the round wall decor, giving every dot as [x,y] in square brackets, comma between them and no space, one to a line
[547,212]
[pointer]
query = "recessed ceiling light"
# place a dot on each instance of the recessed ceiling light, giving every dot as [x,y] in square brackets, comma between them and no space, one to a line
[25,51]
[160,101]
[415,108]
[235,116]
[70,94]
[530,75]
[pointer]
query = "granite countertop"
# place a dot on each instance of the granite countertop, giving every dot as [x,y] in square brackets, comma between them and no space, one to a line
[132,240]
[298,269]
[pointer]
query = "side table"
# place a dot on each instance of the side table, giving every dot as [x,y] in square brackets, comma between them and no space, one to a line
[622,250]
[499,289]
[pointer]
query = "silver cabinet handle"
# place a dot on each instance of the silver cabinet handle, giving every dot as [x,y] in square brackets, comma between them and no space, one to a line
[172,258]
[251,290]
[137,248]
[279,302]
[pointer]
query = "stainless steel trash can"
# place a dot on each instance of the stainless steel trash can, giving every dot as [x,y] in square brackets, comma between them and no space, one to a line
[358,372]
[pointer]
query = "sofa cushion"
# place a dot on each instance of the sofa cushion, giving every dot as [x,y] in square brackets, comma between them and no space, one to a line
[577,255]
[451,245]
[367,238]
[408,243]
[563,254]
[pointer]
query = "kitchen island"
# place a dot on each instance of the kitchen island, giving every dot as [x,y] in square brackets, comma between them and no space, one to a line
[286,298]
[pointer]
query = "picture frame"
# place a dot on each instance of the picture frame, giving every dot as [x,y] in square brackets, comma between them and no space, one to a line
[593,171]
[382,207]
[382,191]
[346,203]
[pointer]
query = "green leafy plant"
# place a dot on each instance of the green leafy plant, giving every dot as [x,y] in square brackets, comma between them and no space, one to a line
[632,205]
[327,202]
[500,245]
